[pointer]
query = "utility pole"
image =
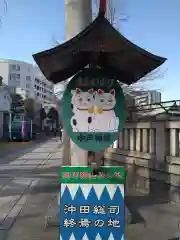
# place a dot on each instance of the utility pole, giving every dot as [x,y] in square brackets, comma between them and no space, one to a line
[78,15]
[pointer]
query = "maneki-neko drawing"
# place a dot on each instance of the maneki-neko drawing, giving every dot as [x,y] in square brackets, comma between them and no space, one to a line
[93,111]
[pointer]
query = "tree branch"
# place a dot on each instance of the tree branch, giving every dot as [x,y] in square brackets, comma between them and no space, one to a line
[5,11]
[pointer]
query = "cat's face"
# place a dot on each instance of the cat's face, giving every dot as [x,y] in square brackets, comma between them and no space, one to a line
[83,100]
[106,101]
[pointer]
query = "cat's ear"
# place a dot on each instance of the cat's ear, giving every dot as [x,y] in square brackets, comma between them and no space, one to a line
[100,91]
[91,91]
[78,90]
[112,92]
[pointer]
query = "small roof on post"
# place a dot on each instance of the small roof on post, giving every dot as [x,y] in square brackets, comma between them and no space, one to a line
[100,40]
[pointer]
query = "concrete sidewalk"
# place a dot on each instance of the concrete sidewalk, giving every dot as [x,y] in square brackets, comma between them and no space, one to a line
[26,187]
[152,218]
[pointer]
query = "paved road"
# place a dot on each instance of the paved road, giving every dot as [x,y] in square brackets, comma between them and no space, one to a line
[29,183]
[11,150]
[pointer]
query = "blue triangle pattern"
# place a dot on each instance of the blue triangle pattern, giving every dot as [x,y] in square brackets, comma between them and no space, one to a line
[91,201]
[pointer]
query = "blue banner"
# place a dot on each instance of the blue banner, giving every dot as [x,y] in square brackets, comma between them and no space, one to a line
[92,212]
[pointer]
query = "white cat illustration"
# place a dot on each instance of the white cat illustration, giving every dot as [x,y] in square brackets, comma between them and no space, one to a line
[82,107]
[105,120]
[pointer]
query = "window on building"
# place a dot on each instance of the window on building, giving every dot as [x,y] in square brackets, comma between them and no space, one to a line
[37,80]
[28,86]
[14,76]
[15,67]
[28,78]
[37,93]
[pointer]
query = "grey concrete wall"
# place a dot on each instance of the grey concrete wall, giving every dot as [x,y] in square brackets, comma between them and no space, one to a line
[160,182]
[150,152]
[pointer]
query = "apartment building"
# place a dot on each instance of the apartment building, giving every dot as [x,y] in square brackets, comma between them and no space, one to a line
[147,97]
[27,80]
[5,106]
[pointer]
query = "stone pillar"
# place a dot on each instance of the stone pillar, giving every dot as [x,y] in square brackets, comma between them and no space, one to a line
[145,146]
[174,142]
[160,142]
[78,15]
[126,139]
[138,140]
[132,140]
[152,140]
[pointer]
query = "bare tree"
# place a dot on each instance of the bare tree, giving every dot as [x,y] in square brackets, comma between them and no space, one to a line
[4,9]
[114,11]
[115,15]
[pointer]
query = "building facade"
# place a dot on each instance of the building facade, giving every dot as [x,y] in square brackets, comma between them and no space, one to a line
[27,80]
[5,106]
[147,97]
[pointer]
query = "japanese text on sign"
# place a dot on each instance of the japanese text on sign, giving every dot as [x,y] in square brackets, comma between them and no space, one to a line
[86,223]
[89,175]
[102,82]
[90,137]
[97,210]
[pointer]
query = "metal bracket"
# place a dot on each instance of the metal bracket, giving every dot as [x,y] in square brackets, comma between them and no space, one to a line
[95,162]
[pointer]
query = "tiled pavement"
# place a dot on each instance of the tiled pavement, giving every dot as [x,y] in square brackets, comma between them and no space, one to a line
[29,184]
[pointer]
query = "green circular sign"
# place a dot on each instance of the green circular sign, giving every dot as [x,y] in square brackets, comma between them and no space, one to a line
[93,110]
